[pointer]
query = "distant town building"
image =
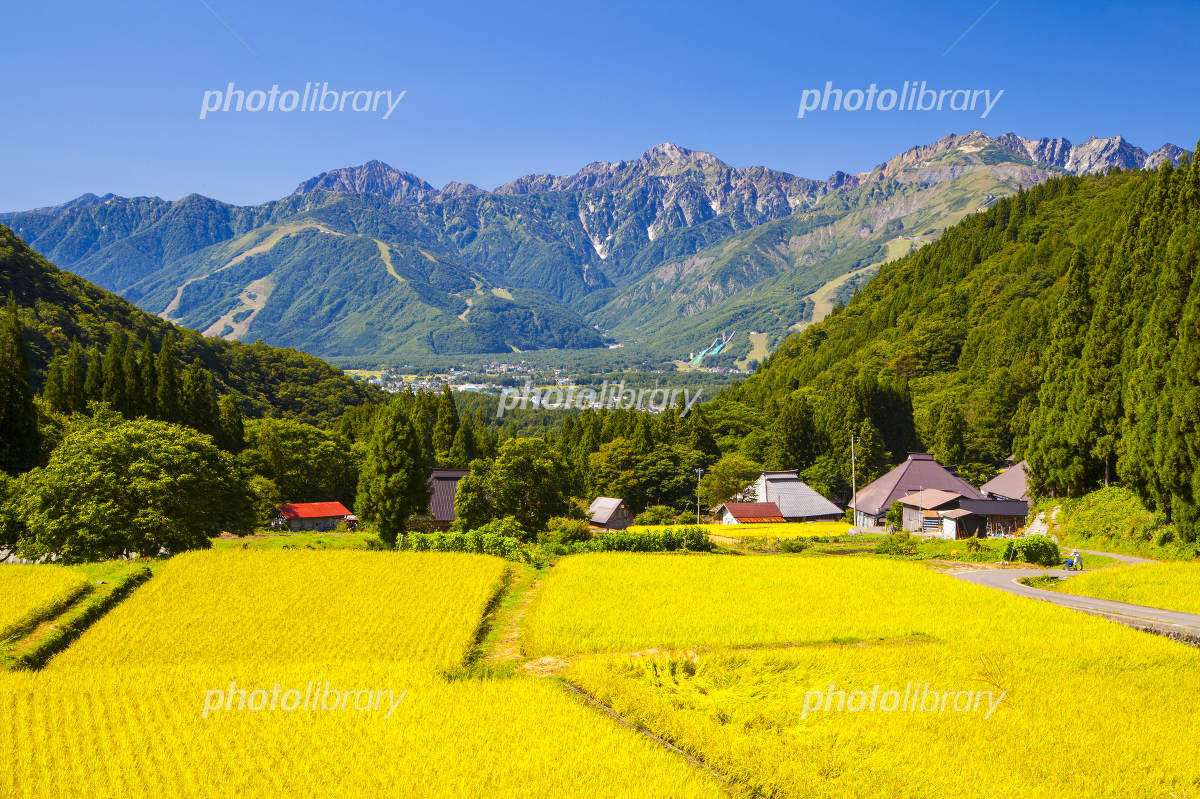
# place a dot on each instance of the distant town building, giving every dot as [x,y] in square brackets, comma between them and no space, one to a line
[319,516]
[609,513]
[797,502]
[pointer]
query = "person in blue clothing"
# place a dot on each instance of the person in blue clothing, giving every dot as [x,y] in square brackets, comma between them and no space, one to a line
[1076,561]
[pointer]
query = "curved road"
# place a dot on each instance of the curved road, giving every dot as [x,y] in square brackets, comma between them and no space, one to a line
[1172,623]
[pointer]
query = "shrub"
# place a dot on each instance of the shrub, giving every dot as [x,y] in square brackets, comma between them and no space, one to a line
[898,545]
[561,530]
[688,537]
[1037,549]
[658,514]
[794,544]
[478,541]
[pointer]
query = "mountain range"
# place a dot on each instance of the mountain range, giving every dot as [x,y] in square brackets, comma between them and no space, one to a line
[661,253]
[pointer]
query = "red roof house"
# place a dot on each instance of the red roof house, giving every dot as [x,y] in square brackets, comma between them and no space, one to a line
[314,515]
[750,513]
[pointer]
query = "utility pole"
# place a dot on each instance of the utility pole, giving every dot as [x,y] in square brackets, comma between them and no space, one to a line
[699,474]
[853,482]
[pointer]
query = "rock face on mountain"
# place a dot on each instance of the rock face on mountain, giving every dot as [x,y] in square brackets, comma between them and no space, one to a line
[657,252]
[373,177]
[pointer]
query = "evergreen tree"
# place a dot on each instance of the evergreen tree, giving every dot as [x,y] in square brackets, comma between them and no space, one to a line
[93,386]
[794,440]
[115,392]
[233,432]
[167,399]
[950,440]
[55,390]
[392,485]
[446,426]
[75,380]
[1058,461]
[148,380]
[200,401]
[20,442]
[463,450]
[134,392]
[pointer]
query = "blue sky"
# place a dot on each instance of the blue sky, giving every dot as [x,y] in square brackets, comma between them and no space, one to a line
[106,97]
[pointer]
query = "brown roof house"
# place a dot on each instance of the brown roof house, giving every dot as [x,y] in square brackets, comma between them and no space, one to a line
[443,488]
[918,473]
[797,502]
[750,513]
[609,513]
[1012,483]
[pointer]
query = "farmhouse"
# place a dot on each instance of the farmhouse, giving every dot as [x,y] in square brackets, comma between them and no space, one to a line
[983,517]
[919,472]
[797,502]
[443,488]
[321,516]
[1012,483]
[922,510]
[609,513]
[750,513]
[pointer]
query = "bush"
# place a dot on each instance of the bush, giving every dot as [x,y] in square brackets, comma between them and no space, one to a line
[898,545]
[689,537]
[507,527]
[1037,549]
[660,514]
[974,546]
[895,515]
[561,530]
[794,544]
[477,541]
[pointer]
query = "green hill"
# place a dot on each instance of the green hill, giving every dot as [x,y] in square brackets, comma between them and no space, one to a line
[1062,325]
[58,307]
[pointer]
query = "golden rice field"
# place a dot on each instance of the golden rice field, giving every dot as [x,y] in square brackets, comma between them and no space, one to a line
[27,592]
[779,530]
[77,735]
[1091,708]
[1173,586]
[624,602]
[133,708]
[276,607]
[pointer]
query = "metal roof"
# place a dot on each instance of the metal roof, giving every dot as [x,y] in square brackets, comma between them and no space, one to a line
[443,487]
[1012,483]
[918,472]
[602,509]
[929,498]
[313,510]
[754,511]
[795,498]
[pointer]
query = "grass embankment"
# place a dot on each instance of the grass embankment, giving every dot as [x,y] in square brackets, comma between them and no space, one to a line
[1172,586]
[57,624]
[1114,520]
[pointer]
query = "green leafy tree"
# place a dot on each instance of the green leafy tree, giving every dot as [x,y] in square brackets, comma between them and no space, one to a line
[93,385]
[795,442]
[527,481]
[115,392]
[75,380]
[305,463]
[613,471]
[464,449]
[20,442]
[131,486]
[950,440]
[728,478]
[148,379]
[392,486]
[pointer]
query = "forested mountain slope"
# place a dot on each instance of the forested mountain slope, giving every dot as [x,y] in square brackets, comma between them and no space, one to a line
[58,307]
[1062,325]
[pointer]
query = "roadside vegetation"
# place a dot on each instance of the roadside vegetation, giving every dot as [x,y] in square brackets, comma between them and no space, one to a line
[1172,586]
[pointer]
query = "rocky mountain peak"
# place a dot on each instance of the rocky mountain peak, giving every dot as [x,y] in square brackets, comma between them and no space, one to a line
[373,177]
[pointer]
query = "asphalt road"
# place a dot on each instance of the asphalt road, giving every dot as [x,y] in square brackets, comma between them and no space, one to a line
[1173,623]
